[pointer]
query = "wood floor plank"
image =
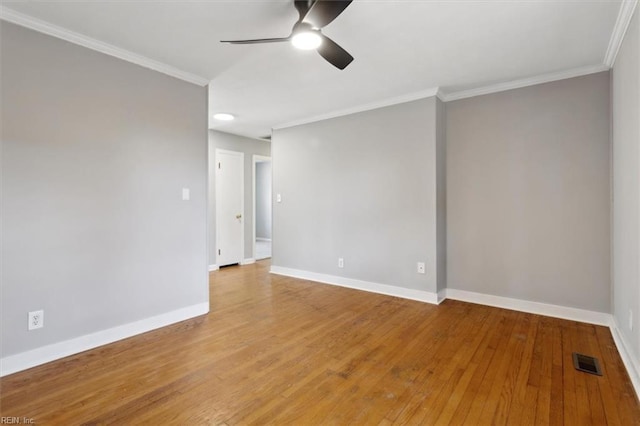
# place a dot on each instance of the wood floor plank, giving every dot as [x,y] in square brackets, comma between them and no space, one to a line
[556,411]
[621,387]
[489,381]
[278,350]
[540,374]
[515,403]
[496,406]
[482,359]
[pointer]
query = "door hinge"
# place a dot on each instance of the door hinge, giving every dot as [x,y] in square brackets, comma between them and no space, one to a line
[218,165]
[218,251]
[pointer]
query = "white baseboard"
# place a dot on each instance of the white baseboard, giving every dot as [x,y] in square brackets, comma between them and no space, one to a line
[389,290]
[248,261]
[213,268]
[263,239]
[556,311]
[24,360]
[630,362]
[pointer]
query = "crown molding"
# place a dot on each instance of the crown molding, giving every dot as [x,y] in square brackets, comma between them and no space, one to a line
[620,28]
[44,27]
[517,84]
[414,96]
[453,96]
[238,134]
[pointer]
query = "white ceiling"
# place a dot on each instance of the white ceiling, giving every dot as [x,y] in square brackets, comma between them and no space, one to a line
[403,49]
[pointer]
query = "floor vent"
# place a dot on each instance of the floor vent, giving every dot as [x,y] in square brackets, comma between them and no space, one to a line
[586,363]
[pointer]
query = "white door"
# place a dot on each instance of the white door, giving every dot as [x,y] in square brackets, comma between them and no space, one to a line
[229,207]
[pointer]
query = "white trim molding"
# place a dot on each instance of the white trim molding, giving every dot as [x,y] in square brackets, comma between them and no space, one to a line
[525,82]
[619,30]
[248,261]
[213,267]
[414,96]
[268,240]
[556,311]
[445,96]
[629,361]
[45,27]
[255,160]
[32,358]
[389,290]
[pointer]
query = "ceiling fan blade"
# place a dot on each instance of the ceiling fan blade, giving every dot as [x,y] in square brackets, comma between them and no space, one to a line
[323,12]
[257,41]
[333,53]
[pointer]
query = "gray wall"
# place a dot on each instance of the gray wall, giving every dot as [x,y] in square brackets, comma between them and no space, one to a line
[263,200]
[95,152]
[528,193]
[626,185]
[361,187]
[249,147]
[441,193]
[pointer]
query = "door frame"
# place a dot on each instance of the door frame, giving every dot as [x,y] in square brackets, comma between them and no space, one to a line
[257,159]
[216,157]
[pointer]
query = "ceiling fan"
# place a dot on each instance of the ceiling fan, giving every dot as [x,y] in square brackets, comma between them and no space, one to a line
[306,32]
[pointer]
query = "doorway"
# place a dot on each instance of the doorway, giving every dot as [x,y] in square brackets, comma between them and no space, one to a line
[262,207]
[229,167]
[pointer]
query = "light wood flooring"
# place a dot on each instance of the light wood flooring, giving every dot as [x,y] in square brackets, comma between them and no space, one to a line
[277,350]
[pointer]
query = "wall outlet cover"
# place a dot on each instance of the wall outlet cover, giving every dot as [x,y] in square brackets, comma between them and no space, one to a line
[340,262]
[421,268]
[36,319]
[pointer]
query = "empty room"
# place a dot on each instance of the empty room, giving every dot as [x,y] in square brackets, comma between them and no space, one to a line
[314,212]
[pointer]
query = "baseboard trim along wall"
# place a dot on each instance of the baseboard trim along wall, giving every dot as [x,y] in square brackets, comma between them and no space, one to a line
[389,290]
[213,268]
[248,261]
[556,311]
[24,360]
[632,365]
[263,239]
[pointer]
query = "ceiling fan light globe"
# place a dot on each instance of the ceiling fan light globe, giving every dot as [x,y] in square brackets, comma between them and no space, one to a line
[306,40]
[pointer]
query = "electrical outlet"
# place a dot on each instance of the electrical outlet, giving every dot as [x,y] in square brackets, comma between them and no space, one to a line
[340,262]
[36,320]
[630,319]
[421,268]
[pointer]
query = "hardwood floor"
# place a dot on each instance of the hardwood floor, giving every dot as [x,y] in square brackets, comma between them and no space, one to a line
[277,350]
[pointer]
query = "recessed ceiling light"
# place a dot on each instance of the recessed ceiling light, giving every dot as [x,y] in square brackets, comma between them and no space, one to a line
[223,116]
[307,40]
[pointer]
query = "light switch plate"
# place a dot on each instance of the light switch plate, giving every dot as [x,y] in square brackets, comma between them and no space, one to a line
[186,194]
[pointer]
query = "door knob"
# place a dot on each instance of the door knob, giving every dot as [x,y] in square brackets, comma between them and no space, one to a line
[238,216]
